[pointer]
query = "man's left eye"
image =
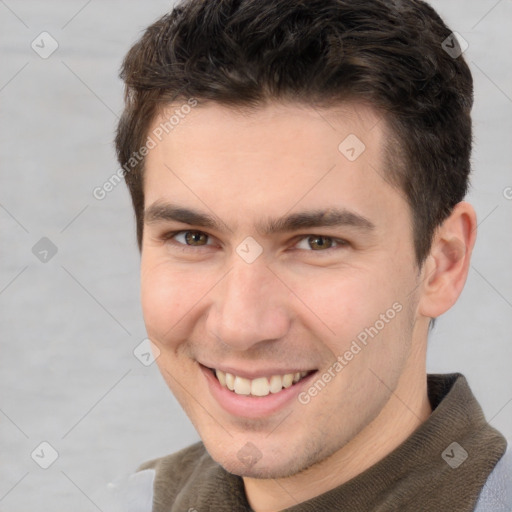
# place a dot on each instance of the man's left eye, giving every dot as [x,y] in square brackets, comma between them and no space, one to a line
[319,243]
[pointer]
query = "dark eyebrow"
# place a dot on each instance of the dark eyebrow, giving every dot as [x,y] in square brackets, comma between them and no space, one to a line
[331,217]
[159,212]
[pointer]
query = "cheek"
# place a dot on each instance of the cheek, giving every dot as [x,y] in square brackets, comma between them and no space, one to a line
[341,303]
[357,311]
[170,299]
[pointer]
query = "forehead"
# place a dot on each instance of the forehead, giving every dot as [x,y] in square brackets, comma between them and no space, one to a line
[271,160]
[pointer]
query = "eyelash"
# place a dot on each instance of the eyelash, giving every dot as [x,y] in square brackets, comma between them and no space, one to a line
[169,237]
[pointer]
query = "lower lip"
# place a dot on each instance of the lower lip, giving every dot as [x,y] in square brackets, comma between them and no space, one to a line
[252,406]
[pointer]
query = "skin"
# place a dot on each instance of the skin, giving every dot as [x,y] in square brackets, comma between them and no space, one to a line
[296,305]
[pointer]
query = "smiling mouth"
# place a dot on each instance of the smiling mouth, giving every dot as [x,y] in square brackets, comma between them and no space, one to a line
[261,386]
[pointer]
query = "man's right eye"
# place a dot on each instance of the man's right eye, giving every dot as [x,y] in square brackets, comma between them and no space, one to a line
[191,238]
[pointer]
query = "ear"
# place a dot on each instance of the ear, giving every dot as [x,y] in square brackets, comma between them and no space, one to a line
[447,265]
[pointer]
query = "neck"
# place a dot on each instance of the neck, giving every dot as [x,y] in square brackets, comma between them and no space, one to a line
[407,408]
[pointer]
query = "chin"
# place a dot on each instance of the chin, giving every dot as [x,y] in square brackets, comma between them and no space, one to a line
[269,462]
[259,470]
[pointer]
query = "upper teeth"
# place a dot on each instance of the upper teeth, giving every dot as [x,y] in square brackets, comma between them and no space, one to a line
[260,386]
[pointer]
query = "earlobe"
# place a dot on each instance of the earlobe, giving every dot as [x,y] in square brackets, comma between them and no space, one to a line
[447,266]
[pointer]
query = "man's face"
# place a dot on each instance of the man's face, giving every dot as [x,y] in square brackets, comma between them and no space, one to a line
[271,250]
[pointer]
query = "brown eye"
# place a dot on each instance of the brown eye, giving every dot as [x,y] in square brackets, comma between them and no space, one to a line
[318,243]
[196,238]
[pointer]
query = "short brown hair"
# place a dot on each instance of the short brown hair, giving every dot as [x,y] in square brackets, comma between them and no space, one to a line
[244,53]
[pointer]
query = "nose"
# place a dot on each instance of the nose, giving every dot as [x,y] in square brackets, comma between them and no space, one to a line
[249,307]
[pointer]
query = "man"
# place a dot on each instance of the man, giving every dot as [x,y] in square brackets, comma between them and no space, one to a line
[298,171]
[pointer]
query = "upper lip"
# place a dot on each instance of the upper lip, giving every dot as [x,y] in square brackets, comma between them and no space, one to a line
[265,371]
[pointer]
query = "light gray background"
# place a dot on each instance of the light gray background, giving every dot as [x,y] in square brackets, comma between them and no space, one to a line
[69,326]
